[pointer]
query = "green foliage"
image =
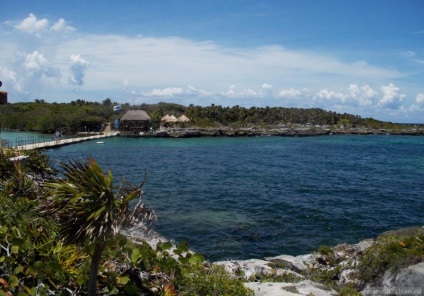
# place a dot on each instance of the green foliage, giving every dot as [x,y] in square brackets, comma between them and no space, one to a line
[81,115]
[89,210]
[328,277]
[391,252]
[86,204]
[19,178]
[210,280]
[43,117]
[325,250]
[31,256]
[348,290]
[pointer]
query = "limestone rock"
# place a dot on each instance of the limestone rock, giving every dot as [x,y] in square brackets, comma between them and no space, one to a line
[305,287]
[248,268]
[294,263]
[406,281]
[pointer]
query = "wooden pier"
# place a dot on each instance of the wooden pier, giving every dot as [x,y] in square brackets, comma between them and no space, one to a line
[57,143]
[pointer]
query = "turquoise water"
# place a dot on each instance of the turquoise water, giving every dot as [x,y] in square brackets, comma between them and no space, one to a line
[246,198]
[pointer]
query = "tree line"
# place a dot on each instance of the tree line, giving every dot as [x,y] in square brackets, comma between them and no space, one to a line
[81,115]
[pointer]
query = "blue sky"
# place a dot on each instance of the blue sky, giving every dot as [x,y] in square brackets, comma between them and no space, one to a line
[359,57]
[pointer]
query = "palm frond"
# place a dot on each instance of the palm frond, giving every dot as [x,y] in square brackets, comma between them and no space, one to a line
[86,205]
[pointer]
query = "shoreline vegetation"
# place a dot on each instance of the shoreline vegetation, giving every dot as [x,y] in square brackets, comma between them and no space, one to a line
[82,116]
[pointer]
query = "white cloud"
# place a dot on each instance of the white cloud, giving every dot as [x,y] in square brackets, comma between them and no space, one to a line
[78,67]
[166,92]
[330,95]
[364,95]
[290,93]
[420,99]
[126,84]
[231,91]
[189,71]
[10,77]
[61,26]
[191,90]
[32,25]
[37,65]
[244,93]
[391,97]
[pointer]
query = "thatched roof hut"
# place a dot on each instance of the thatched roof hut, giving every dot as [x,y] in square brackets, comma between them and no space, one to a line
[164,118]
[172,118]
[135,115]
[183,119]
[135,121]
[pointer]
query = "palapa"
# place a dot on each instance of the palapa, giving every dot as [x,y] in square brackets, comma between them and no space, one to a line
[135,115]
[183,118]
[172,118]
[164,118]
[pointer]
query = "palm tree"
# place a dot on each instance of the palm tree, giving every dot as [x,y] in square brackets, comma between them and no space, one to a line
[89,209]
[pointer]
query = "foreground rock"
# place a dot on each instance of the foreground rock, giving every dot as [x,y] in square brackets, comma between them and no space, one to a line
[323,272]
[338,266]
[305,287]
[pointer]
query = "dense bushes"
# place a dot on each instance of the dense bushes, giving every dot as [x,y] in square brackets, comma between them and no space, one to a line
[82,115]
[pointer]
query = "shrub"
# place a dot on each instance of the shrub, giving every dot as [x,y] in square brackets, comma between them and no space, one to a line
[391,252]
[210,280]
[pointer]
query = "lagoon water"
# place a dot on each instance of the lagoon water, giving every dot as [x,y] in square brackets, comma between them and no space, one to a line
[244,198]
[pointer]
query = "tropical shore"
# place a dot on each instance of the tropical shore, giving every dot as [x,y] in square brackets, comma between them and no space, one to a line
[318,272]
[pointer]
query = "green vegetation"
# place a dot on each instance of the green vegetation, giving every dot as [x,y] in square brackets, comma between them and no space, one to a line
[389,252]
[82,115]
[211,280]
[47,255]
[392,251]
[89,210]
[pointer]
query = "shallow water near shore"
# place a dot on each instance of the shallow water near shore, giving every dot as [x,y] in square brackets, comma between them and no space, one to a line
[246,198]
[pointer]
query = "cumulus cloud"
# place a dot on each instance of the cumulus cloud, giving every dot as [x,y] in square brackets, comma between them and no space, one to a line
[78,67]
[166,92]
[61,26]
[244,93]
[420,99]
[10,78]
[189,71]
[191,90]
[391,97]
[32,25]
[289,93]
[37,65]
[364,95]
[331,95]
[126,84]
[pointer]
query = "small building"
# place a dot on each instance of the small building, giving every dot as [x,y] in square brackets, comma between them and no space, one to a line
[135,121]
[3,98]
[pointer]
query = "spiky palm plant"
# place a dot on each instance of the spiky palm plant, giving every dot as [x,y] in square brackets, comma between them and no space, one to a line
[89,209]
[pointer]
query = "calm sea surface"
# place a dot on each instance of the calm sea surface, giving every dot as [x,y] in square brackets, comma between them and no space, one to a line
[246,198]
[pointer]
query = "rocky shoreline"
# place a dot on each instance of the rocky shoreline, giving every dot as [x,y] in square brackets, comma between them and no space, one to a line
[311,274]
[282,131]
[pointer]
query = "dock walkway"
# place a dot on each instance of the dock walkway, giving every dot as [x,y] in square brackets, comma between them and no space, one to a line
[53,144]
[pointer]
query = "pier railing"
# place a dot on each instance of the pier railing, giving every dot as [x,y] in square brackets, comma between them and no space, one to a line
[46,142]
